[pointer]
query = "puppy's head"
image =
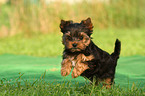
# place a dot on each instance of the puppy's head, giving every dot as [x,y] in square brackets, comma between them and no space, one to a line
[76,36]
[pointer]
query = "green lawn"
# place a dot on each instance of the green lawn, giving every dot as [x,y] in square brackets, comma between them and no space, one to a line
[42,88]
[50,44]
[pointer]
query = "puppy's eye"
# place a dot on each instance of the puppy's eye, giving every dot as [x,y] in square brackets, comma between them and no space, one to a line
[69,38]
[81,38]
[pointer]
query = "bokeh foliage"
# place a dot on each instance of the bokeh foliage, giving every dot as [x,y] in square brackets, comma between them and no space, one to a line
[27,16]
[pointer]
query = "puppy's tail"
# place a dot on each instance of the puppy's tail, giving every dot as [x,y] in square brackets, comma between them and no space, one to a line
[117,49]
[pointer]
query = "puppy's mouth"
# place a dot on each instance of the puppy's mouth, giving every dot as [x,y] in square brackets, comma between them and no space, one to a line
[75,49]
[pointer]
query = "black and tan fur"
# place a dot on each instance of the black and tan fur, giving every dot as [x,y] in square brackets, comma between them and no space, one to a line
[85,58]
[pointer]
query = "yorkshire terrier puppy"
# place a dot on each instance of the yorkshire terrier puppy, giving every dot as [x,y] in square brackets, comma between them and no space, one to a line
[83,56]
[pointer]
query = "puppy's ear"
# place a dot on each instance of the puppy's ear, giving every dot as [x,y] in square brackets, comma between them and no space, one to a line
[87,23]
[64,24]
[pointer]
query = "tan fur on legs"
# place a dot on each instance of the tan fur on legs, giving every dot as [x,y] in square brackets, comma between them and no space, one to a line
[80,66]
[66,67]
[79,69]
[107,83]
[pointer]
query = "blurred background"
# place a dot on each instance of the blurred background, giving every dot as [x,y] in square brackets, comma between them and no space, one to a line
[31,27]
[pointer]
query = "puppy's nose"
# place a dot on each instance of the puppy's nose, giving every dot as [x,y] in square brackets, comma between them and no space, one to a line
[74,45]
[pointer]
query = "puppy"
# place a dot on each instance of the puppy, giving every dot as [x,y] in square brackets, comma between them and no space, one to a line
[83,56]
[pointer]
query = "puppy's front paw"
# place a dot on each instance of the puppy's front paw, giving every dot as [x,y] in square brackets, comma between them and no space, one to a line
[66,67]
[65,72]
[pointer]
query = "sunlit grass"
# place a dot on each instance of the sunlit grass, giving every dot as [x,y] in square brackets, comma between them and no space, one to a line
[51,45]
[38,45]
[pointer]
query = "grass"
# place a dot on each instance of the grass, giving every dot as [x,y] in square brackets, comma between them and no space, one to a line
[50,44]
[38,45]
[66,88]
[45,45]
